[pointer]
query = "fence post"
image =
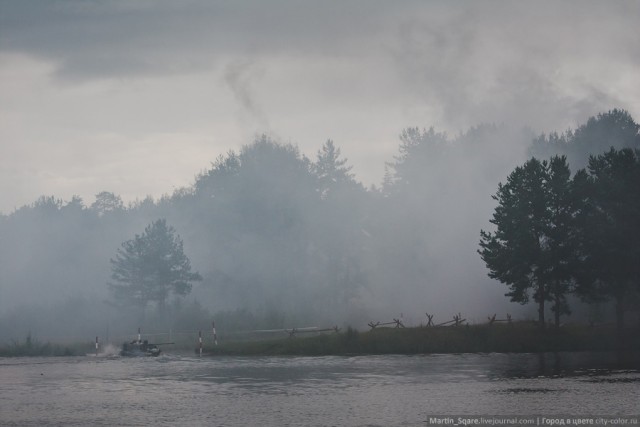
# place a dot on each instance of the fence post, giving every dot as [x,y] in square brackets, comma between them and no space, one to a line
[430,319]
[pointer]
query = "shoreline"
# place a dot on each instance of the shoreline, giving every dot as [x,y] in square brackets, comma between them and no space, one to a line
[514,338]
[519,337]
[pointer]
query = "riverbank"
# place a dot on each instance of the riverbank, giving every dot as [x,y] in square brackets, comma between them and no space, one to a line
[30,348]
[504,338]
[518,337]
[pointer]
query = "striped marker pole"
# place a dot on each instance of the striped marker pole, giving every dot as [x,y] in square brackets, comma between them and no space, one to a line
[139,340]
[215,337]
[200,340]
[97,346]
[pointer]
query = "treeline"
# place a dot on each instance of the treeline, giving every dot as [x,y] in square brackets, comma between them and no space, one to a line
[558,235]
[282,239]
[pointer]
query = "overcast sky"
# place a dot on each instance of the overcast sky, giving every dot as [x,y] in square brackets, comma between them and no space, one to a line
[137,97]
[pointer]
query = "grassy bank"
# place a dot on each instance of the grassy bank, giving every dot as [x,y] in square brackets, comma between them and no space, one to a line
[520,337]
[30,347]
[515,338]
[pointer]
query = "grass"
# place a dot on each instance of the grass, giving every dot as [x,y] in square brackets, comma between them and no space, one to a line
[514,338]
[31,347]
[519,337]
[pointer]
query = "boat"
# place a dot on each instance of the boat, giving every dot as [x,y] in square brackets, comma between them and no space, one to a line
[140,349]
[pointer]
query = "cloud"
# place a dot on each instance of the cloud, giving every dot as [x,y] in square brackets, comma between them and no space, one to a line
[477,61]
[89,39]
[523,62]
[357,72]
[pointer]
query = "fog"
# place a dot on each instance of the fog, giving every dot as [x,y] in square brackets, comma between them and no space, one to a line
[280,240]
[212,116]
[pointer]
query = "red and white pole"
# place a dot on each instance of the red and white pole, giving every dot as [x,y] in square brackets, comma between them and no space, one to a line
[215,337]
[200,340]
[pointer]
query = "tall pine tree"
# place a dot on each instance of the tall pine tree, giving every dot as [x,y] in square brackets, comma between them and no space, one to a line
[150,267]
[533,248]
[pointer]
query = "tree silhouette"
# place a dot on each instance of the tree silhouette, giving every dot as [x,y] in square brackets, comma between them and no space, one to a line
[533,248]
[610,229]
[613,129]
[107,202]
[563,205]
[150,267]
[331,170]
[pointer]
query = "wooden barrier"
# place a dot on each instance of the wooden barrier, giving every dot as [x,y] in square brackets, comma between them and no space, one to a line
[492,319]
[430,319]
[396,322]
[293,331]
[457,321]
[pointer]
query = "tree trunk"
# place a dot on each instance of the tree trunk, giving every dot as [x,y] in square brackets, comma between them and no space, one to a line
[558,308]
[541,314]
[541,306]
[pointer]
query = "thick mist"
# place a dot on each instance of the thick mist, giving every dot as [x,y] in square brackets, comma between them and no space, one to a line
[281,240]
[127,99]
[436,199]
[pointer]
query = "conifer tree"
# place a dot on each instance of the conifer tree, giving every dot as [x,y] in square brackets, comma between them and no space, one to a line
[150,267]
[533,248]
[610,229]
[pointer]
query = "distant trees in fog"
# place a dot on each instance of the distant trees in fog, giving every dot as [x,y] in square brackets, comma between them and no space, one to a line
[150,267]
[279,230]
[613,129]
[107,202]
[284,239]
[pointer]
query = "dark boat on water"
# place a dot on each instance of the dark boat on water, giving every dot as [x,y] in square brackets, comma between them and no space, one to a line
[140,349]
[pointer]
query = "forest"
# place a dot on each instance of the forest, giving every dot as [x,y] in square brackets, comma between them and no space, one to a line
[482,222]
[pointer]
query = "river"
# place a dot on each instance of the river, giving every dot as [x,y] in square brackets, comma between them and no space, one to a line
[312,391]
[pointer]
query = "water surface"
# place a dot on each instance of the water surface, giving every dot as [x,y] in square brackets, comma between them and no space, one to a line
[315,391]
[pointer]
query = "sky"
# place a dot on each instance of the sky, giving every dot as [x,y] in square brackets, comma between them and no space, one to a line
[137,97]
